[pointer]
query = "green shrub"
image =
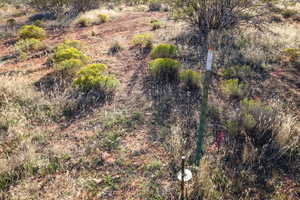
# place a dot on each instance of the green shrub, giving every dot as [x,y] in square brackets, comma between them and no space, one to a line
[29,45]
[84,22]
[164,51]
[165,69]
[191,80]
[70,66]
[237,72]
[287,13]
[70,44]
[93,77]
[32,31]
[103,18]
[69,53]
[144,40]
[233,88]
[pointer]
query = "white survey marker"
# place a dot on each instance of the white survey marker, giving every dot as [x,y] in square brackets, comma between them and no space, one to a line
[187,175]
[209,60]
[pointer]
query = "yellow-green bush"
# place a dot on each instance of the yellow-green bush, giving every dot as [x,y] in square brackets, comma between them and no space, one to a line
[84,22]
[103,18]
[32,31]
[93,77]
[191,79]
[165,69]
[70,66]
[144,40]
[69,53]
[233,88]
[70,44]
[164,51]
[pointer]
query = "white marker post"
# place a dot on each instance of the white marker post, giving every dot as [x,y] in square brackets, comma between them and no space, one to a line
[202,121]
[209,59]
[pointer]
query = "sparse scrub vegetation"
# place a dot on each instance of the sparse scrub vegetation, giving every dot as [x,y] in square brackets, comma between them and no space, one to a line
[80,120]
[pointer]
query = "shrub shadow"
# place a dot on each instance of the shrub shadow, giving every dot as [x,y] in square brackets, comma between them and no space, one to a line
[73,103]
[172,98]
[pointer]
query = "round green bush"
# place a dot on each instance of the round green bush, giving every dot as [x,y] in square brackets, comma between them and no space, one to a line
[191,80]
[164,51]
[32,31]
[70,66]
[69,53]
[93,77]
[165,69]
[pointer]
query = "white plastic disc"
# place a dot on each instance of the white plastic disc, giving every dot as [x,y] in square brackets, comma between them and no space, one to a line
[187,175]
